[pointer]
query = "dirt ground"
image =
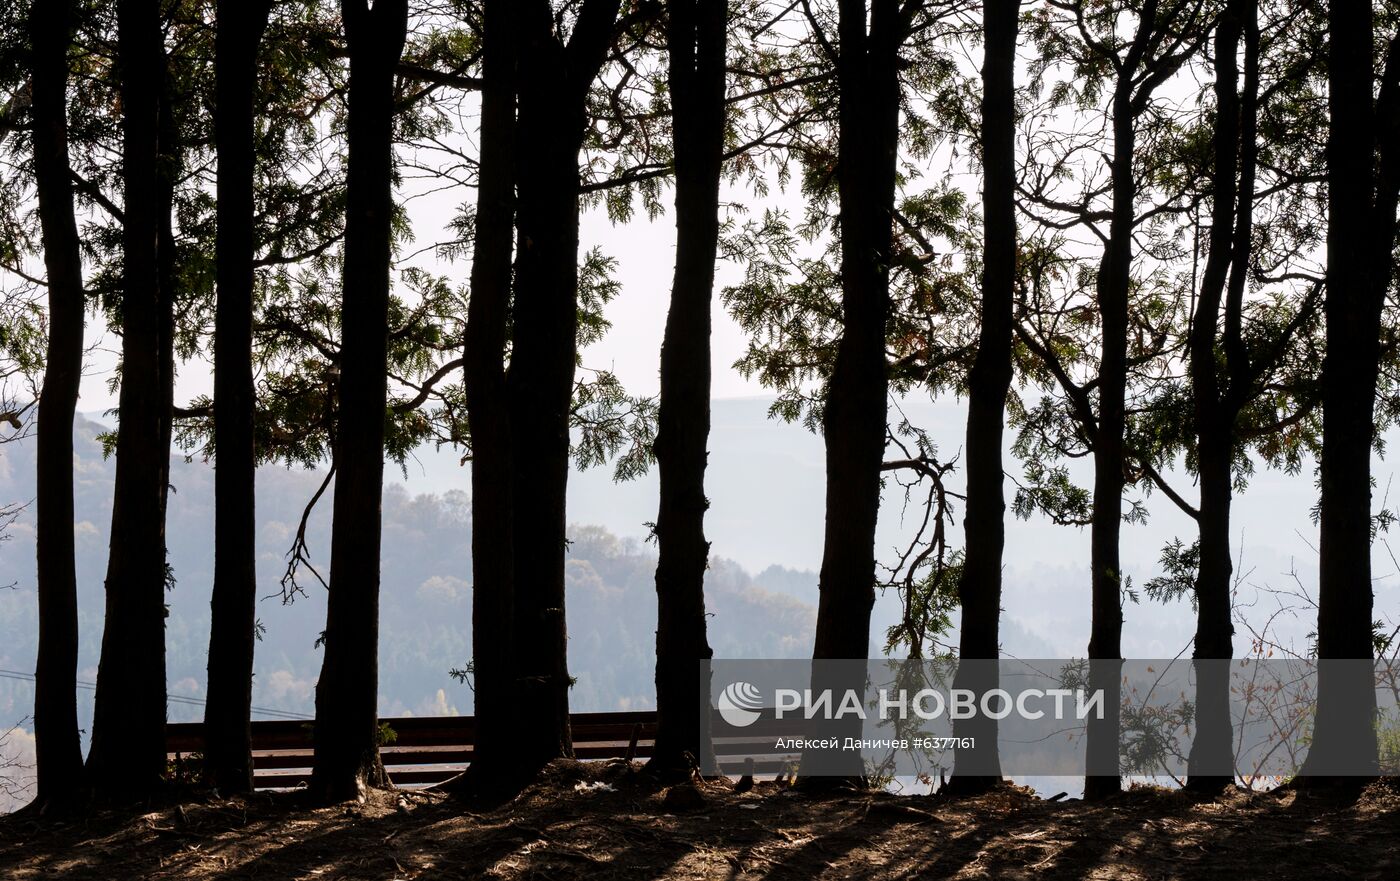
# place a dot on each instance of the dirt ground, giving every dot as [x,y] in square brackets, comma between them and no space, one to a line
[607,822]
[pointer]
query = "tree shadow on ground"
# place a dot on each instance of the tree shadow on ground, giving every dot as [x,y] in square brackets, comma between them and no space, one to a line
[569,827]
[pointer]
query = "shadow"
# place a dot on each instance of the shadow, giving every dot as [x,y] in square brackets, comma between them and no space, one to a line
[570,827]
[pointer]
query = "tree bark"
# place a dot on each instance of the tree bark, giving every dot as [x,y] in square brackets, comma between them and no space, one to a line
[57,745]
[979,590]
[493,564]
[228,762]
[347,720]
[854,420]
[127,756]
[1360,237]
[695,37]
[552,119]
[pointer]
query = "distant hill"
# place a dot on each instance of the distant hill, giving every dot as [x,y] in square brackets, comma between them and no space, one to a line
[426,595]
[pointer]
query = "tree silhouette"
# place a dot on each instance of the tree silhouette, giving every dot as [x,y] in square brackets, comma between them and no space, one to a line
[347,695]
[695,41]
[59,754]
[127,756]
[979,590]
[228,759]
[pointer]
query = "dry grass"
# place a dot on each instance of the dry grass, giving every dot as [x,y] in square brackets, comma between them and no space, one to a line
[557,832]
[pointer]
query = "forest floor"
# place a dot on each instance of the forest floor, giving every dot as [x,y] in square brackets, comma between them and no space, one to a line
[570,827]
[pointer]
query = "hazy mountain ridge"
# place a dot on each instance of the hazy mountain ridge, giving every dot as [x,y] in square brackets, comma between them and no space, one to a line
[425,599]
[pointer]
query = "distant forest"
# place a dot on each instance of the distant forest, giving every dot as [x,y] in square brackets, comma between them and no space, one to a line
[425,609]
[1152,237]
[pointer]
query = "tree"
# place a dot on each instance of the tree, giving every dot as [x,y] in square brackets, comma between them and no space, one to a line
[1361,206]
[854,418]
[1251,330]
[57,746]
[695,40]
[493,562]
[979,589]
[127,755]
[552,122]
[1163,37]
[347,719]
[1217,398]
[227,723]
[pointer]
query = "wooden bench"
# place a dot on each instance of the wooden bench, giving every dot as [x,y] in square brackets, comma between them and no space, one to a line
[431,749]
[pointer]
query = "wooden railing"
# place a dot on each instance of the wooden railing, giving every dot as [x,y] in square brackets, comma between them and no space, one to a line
[431,749]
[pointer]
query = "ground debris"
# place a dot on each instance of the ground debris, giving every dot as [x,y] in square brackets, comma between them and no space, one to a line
[560,829]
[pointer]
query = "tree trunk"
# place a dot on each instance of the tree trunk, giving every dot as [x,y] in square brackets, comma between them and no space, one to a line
[57,746]
[493,565]
[554,86]
[1360,235]
[1217,401]
[169,168]
[228,762]
[979,591]
[347,719]
[127,756]
[854,421]
[696,43]
[1106,628]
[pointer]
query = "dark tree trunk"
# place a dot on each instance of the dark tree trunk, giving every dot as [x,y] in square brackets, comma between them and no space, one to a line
[1140,67]
[347,719]
[127,756]
[493,564]
[854,420]
[1106,628]
[228,762]
[57,747]
[554,81]
[979,591]
[695,39]
[169,167]
[1360,237]
[1217,399]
